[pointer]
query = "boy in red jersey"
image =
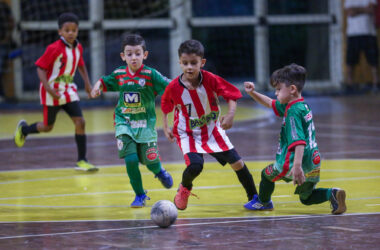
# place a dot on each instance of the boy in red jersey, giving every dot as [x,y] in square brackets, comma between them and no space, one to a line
[197,128]
[56,69]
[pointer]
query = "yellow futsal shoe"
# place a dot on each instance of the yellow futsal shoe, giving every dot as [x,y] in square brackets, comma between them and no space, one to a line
[19,137]
[83,165]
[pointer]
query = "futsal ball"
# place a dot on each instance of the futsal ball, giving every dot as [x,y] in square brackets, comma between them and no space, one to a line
[163,213]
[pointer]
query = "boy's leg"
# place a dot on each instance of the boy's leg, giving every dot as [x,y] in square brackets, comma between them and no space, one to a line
[148,154]
[23,129]
[310,195]
[263,200]
[127,148]
[241,170]
[194,163]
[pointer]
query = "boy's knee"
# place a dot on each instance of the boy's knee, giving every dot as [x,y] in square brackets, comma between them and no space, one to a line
[131,158]
[46,128]
[194,169]
[80,123]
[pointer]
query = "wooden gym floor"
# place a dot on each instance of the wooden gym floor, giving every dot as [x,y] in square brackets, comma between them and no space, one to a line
[45,203]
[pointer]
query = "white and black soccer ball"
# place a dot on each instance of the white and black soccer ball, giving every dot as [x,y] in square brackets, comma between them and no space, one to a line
[163,213]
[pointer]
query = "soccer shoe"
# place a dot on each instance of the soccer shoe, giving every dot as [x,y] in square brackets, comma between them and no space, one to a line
[19,136]
[139,201]
[165,178]
[338,201]
[83,165]
[256,204]
[182,197]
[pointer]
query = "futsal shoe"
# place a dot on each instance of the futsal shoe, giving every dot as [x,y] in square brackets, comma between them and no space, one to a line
[165,178]
[19,136]
[182,197]
[338,201]
[83,165]
[256,204]
[139,201]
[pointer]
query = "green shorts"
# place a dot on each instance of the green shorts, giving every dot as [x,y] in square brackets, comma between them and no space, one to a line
[147,152]
[305,190]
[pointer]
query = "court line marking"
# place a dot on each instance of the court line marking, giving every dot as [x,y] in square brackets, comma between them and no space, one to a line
[175,225]
[190,205]
[343,228]
[370,205]
[162,189]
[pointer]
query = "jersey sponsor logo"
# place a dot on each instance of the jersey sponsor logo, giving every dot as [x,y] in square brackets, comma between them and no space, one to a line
[142,82]
[205,119]
[130,83]
[132,99]
[308,117]
[148,71]
[132,110]
[151,154]
[293,128]
[316,158]
[314,173]
[138,124]
[119,144]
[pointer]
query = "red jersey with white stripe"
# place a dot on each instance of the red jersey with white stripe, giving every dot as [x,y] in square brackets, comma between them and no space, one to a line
[60,61]
[196,115]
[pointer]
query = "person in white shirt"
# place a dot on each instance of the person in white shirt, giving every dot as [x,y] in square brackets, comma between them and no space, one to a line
[361,36]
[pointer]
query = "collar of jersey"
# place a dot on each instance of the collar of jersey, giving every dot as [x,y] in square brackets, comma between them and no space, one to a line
[200,77]
[291,103]
[68,44]
[136,73]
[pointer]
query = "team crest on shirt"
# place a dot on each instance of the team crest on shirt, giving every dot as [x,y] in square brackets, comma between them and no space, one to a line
[119,144]
[142,82]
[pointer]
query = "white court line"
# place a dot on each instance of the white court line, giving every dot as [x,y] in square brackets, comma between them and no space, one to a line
[370,205]
[178,225]
[344,229]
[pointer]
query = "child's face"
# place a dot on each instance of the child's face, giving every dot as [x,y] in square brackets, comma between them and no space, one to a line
[69,31]
[134,56]
[191,64]
[285,93]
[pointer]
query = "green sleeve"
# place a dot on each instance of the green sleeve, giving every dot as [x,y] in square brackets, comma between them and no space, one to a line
[278,108]
[110,82]
[159,82]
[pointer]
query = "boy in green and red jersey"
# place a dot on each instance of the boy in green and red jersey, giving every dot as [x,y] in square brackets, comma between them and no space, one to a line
[135,116]
[297,157]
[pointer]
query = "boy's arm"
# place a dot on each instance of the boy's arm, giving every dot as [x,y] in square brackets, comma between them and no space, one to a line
[168,131]
[297,172]
[83,72]
[97,89]
[260,98]
[43,78]
[227,120]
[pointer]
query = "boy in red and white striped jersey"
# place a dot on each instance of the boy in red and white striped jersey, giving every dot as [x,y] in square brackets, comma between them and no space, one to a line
[197,128]
[56,69]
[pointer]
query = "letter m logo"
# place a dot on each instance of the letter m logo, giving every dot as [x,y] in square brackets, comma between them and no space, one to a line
[132,97]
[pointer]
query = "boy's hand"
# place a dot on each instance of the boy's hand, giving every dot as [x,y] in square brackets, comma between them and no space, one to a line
[298,175]
[54,94]
[88,89]
[226,121]
[95,92]
[169,134]
[249,87]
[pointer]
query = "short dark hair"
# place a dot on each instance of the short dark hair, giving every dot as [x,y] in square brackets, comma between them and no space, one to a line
[292,74]
[133,40]
[191,47]
[67,17]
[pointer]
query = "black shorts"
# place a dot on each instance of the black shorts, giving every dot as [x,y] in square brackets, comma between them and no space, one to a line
[72,109]
[230,156]
[367,44]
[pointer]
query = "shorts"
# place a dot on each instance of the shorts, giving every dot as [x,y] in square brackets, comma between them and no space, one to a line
[305,190]
[367,44]
[147,152]
[50,112]
[230,156]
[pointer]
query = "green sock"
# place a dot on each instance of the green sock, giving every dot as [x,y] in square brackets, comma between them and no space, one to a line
[155,167]
[132,165]
[266,188]
[319,195]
